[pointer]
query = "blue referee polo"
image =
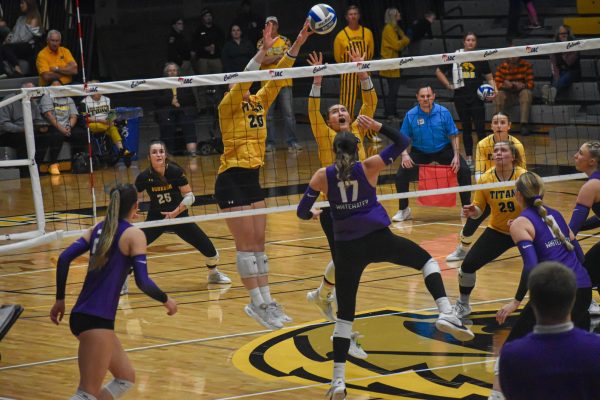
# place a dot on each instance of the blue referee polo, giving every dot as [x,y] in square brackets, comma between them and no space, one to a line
[430,132]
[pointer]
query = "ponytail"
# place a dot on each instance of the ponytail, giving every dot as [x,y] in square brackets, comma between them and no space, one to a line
[542,212]
[107,235]
[345,146]
[122,200]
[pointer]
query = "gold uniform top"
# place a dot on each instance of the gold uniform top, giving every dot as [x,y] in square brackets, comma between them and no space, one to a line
[324,135]
[502,202]
[484,154]
[243,123]
[393,41]
[279,48]
[362,39]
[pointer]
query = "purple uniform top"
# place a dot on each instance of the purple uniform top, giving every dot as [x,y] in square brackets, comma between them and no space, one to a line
[101,288]
[354,208]
[564,365]
[596,206]
[550,248]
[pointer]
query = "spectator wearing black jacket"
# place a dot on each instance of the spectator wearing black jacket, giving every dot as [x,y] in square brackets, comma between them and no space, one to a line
[173,109]
[237,51]
[178,47]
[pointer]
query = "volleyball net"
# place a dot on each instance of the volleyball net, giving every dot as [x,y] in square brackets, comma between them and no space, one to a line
[49,207]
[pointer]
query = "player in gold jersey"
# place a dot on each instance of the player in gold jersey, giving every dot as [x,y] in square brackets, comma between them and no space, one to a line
[484,156]
[243,127]
[324,130]
[495,239]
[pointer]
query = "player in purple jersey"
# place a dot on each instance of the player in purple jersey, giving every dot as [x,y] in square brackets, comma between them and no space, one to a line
[587,160]
[362,236]
[556,360]
[541,234]
[115,247]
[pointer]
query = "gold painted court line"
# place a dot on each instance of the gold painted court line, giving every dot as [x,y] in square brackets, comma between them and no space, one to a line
[234,335]
[189,252]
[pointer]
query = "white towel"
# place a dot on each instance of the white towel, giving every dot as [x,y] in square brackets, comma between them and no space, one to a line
[457,75]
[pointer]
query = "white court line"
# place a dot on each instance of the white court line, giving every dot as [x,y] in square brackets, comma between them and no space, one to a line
[492,359]
[233,335]
[191,252]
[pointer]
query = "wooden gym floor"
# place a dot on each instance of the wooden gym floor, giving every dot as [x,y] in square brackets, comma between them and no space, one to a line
[212,350]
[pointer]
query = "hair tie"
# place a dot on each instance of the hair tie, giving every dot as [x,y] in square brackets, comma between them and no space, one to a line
[536,197]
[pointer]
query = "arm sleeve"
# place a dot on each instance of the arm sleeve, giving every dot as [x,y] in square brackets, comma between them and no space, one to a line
[179,177]
[530,260]
[140,181]
[480,200]
[64,261]
[42,64]
[306,203]
[143,281]
[578,218]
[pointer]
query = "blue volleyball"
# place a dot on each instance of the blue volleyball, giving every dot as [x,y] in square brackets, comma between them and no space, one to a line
[484,91]
[322,19]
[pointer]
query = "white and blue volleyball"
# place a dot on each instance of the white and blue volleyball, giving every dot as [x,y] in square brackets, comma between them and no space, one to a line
[484,91]
[322,19]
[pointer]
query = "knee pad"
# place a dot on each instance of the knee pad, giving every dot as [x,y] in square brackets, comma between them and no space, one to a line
[81,395]
[118,387]
[262,263]
[466,279]
[330,273]
[430,267]
[246,264]
[214,260]
[342,329]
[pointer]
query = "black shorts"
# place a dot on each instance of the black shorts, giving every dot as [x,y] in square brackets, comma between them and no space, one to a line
[79,323]
[238,187]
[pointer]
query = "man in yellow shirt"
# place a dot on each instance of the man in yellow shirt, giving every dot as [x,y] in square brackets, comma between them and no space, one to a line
[284,101]
[55,62]
[353,36]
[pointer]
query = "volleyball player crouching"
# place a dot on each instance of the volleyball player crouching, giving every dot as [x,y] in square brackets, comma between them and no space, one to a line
[171,197]
[324,131]
[484,160]
[587,160]
[243,127]
[541,234]
[495,239]
[115,246]
[362,236]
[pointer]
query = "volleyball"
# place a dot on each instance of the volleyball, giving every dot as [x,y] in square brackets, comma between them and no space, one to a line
[322,19]
[484,91]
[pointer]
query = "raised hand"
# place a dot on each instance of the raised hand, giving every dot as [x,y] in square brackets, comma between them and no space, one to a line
[268,41]
[367,123]
[356,55]
[315,59]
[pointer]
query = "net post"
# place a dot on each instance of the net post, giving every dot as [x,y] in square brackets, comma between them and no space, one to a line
[38,202]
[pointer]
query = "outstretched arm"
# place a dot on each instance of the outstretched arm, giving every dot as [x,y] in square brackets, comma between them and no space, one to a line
[373,165]
[318,184]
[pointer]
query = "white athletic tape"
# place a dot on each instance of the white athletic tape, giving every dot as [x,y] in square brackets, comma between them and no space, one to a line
[303,72]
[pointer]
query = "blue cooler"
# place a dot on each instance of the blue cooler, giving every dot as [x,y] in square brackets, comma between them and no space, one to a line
[131,130]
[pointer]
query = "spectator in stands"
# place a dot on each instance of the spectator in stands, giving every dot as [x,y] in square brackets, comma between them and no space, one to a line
[557,360]
[55,62]
[13,129]
[62,115]
[174,108]
[534,22]
[96,108]
[421,28]
[178,48]
[434,138]
[466,79]
[19,44]
[393,41]
[250,23]
[514,81]
[207,43]
[285,100]
[566,67]
[237,51]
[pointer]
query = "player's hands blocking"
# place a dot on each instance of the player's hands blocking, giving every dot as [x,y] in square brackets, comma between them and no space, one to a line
[315,59]
[366,123]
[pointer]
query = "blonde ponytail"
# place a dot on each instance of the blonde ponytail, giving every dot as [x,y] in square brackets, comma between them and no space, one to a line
[542,212]
[100,256]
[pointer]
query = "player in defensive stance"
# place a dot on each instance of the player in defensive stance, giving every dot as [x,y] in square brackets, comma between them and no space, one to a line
[495,239]
[171,197]
[587,160]
[115,246]
[324,131]
[244,129]
[484,160]
[362,236]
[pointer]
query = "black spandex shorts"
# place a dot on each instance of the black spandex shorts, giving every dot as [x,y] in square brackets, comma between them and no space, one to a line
[238,187]
[84,322]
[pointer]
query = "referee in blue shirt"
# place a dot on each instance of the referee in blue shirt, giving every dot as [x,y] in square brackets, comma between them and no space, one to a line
[434,138]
